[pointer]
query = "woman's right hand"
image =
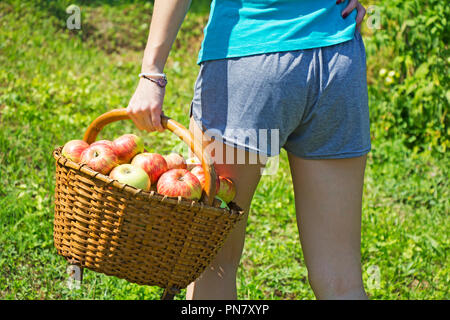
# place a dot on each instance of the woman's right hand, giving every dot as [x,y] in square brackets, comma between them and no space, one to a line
[145,107]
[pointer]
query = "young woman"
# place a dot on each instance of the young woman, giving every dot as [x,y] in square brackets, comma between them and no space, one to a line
[297,71]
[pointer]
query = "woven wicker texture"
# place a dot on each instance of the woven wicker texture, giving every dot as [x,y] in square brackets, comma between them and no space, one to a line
[143,237]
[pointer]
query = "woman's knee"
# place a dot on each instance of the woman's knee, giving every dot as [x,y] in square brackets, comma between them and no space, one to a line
[328,283]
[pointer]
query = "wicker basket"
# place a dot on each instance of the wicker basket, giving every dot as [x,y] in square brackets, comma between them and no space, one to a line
[143,237]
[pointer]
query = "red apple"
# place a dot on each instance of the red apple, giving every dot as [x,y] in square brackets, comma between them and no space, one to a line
[107,142]
[127,146]
[200,174]
[227,189]
[131,175]
[72,150]
[100,158]
[152,163]
[175,161]
[192,162]
[179,182]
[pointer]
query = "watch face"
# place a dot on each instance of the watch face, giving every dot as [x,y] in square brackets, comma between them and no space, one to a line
[162,82]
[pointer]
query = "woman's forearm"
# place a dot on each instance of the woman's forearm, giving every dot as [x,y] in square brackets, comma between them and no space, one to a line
[145,106]
[167,18]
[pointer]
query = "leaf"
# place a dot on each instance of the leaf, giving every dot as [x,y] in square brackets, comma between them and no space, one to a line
[422,71]
[431,20]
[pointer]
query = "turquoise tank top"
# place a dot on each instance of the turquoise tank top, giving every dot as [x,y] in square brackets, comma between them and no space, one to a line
[239,28]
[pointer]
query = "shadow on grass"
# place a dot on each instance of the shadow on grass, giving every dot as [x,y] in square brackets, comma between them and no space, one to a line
[111,25]
[58,8]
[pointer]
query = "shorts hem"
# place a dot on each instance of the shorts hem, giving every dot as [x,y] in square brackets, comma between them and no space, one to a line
[341,155]
[234,144]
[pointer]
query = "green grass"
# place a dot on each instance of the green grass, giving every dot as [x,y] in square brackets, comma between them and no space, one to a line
[54,81]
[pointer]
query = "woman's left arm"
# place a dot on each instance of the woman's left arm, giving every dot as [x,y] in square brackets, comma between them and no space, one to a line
[354,4]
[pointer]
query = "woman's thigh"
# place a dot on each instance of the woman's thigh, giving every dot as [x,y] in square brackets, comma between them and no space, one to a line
[219,279]
[328,200]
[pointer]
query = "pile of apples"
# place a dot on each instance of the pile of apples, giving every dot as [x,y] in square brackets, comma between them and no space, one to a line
[126,160]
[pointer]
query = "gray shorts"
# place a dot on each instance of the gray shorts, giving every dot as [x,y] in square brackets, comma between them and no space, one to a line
[311,102]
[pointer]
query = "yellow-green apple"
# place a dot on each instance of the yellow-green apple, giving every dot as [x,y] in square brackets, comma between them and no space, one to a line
[100,158]
[175,161]
[227,189]
[127,146]
[179,182]
[200,174]
[131,175]
[192,162]
[72,149]
[152,163]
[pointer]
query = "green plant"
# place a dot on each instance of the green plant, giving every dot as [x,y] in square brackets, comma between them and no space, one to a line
[55,81]
[411,103]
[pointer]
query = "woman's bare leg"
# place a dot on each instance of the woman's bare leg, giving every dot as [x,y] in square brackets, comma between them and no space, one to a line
[218,281]
[328,200]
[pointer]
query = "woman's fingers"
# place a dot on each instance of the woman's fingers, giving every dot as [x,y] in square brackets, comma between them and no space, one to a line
[354,4]
[134,115]
[145,107]
[146,120]
[360,16]
[155,112]
[141,117]
[349,8]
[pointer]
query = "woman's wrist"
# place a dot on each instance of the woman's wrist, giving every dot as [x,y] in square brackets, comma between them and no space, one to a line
[152,64]
[152,68]
[154,60]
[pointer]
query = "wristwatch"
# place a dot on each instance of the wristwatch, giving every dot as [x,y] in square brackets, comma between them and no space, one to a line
[160,80]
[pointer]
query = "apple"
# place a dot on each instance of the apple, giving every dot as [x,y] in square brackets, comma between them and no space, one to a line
[227,189]
[127,146]
[107,142]
[179,182]
[175,161]
[72,149]
[200,174]
[100,158]
[192,162]
[131,175]
[152,163]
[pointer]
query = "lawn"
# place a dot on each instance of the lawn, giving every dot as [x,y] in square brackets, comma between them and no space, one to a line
[55,81]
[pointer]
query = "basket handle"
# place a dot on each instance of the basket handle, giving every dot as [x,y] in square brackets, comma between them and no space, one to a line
[179,130]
